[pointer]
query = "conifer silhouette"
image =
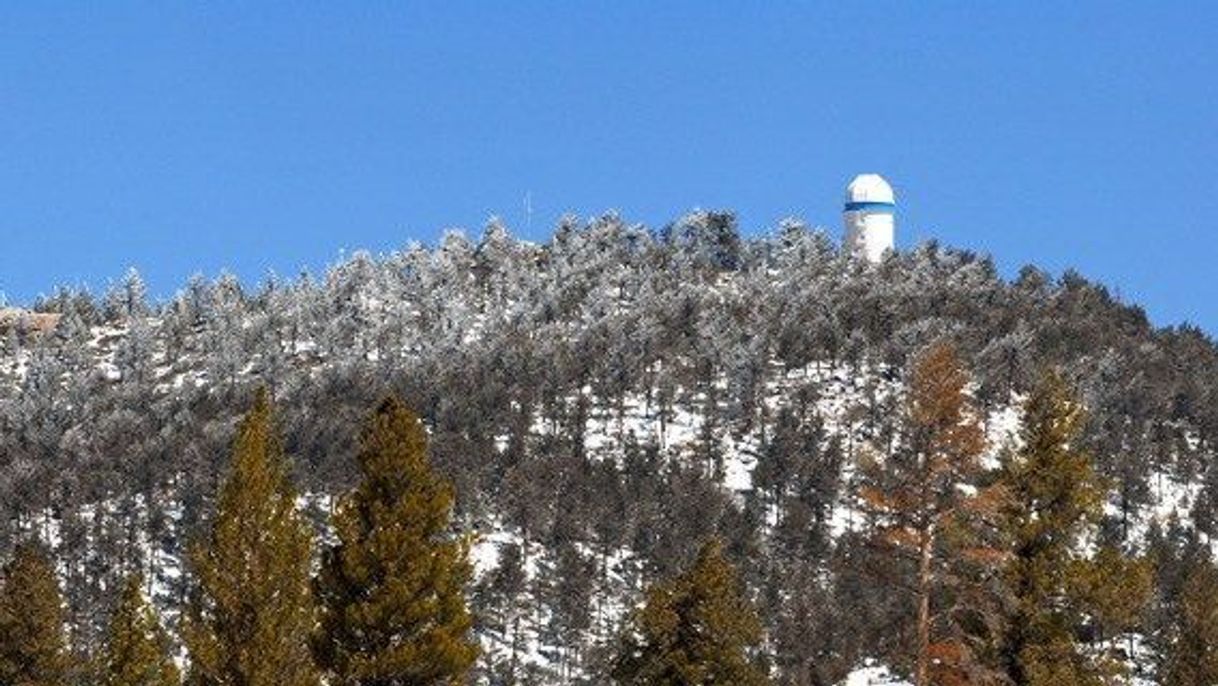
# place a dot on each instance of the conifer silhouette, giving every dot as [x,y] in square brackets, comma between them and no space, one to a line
[250,622]
[392,590]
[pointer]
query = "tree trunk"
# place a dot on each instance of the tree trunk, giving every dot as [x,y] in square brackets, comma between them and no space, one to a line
[924,588]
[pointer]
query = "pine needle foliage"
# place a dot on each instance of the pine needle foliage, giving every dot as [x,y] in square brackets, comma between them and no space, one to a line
[250,622]
[1115,589]
[392,591]
[1192,653]
[137,650]
[33,647]
[694,630]
[1056,501]
[927,505]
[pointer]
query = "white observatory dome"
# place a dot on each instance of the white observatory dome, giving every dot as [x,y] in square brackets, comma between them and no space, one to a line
[869,188]
[869,217]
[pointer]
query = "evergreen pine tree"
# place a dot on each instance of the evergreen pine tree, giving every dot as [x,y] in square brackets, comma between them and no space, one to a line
[694,630]
[33,648]
[1115,589]
[927,504]
[1055,500]
[1192,649]
[137,653]
[392,591]
[250,622]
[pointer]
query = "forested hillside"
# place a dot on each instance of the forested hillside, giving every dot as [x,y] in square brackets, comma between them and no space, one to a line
[603,404]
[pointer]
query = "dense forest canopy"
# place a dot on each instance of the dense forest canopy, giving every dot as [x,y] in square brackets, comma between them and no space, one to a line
[603,403]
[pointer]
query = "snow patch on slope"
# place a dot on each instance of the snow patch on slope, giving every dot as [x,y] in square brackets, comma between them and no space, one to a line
[873,674]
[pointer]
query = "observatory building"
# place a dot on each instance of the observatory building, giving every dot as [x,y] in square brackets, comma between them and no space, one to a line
[868,216]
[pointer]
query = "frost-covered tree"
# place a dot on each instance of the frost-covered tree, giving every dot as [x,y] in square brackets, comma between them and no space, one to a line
[127,299]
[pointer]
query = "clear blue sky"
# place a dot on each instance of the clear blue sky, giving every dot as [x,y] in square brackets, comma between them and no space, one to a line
[195,137]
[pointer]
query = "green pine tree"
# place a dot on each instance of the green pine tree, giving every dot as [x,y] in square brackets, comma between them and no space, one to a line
[1192,653]
[1115,590]
[33,648]
[137,652]
[694,630]
[251,619]
[1049,589]
[392,591]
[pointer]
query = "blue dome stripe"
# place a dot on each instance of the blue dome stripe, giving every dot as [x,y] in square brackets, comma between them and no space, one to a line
[871,206]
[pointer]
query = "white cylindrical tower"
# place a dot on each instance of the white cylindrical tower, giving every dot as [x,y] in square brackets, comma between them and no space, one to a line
[868,216]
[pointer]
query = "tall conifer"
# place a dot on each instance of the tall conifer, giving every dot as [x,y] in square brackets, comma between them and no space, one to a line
[33,648]
[253,613]
[694,630]
[1049,586]
[392,590]
[1192,652]
[137,652]
[926,502]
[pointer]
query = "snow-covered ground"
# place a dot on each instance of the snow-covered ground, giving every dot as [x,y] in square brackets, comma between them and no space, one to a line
[873,674]
[843,397]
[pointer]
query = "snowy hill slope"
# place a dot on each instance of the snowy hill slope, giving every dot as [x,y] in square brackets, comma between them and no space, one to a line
[602,402]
